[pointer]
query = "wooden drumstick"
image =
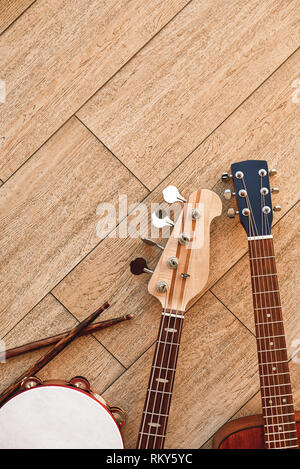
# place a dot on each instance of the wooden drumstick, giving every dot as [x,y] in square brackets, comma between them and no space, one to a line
[16,351]
[52,353]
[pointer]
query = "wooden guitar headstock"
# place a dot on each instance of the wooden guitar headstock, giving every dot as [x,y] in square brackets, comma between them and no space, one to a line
[182,271]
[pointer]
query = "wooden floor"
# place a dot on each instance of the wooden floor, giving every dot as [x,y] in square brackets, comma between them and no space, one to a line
[125,97]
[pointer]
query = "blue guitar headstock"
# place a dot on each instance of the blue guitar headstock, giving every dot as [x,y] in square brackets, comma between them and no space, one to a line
[253,195]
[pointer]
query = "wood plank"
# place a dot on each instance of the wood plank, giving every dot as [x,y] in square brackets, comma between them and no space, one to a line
[57,55]
[253,407]
[85,356]
[10,10]
[188,79]
[265,127]
[234,289]
[216,373]
[48,215]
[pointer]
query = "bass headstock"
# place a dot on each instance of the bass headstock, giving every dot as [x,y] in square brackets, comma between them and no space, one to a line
[182,270]
[253,196]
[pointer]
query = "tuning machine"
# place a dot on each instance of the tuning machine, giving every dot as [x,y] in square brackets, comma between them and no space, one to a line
[161,222]
[171,194]
[273,172]
[228,194]
[152,243]
[277,208]
[275,190]
[231,212]
[139,266]
[226,176]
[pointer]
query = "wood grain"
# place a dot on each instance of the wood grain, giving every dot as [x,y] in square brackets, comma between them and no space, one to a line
[48,215]
[234,289]
[57,55]
[193,259]
[265,127]
[188,79]
[212,339]
[10,10]
[84,357]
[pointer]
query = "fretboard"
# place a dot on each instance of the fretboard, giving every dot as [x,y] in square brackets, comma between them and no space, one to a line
[158,399]
[276,392]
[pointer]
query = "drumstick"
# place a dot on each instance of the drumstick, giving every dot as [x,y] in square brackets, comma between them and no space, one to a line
[52,353]
[16,351]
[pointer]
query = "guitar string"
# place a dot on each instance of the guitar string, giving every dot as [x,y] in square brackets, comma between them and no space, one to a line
[253,254]
[275,296]
[172,339]
[177,349]
[168,397]
[152,376]
[265,230]
[163,356]
[263,285]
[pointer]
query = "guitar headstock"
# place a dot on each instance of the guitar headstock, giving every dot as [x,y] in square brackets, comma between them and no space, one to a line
[182,271]
[253,196]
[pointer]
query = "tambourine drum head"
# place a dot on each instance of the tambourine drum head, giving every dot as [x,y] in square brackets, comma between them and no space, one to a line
[57,417]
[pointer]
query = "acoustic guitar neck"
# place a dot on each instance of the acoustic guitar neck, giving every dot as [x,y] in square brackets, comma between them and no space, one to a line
[159,393]
[253,195]
[275,382]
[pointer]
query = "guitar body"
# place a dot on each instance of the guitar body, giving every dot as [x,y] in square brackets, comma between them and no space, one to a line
[245,433]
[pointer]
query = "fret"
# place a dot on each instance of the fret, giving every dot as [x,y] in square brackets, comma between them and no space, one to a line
[161,392]
[254,238]
[274,375]
[173,315]
[278,441]
[282,395]
[272,363]
[270,337]
[276,385]
[280,424]
[275,406]
[264,275]
[168,343]
[163,368]
[265,257]
[152,434]
[268,307]
[265,292]
[269,322]
[152,413]
[280,415]
[279,433]
[272,350]
[287,447]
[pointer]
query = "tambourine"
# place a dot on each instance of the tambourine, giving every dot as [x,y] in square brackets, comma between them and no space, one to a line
[57,414]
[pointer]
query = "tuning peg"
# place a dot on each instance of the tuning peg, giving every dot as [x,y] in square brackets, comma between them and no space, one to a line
[226,176]
[228,194]
[139,266]
[275,190]
[277,208]
[231,213]
[152,243]
[171,194]
[273,172]
[161,222]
